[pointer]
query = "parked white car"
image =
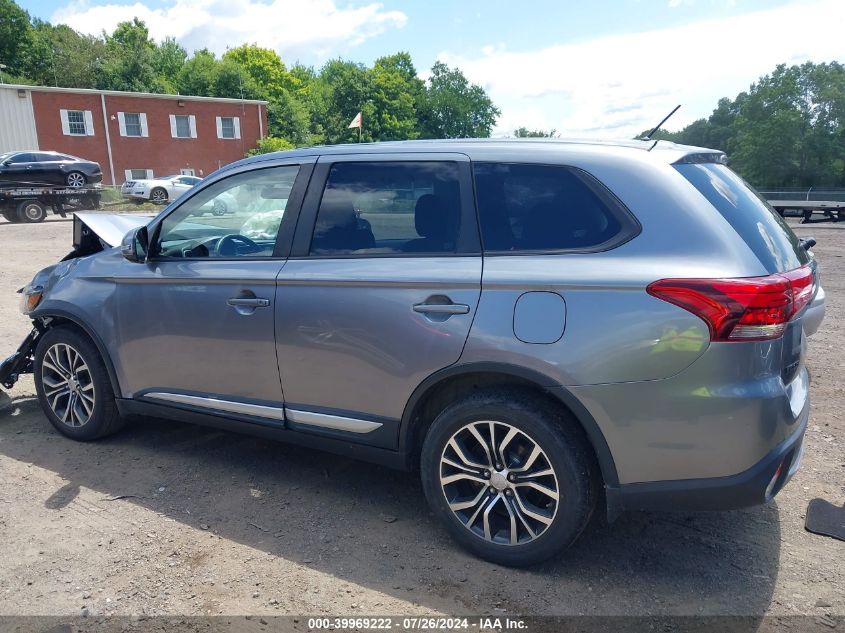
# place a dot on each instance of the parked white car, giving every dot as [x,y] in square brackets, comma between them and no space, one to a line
[158,190]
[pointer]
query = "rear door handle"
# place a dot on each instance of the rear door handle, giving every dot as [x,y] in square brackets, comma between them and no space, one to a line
[442,308]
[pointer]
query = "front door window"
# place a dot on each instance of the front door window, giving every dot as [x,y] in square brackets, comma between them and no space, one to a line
[238,216]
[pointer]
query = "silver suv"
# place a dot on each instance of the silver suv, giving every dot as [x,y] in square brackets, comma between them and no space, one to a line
[539,328]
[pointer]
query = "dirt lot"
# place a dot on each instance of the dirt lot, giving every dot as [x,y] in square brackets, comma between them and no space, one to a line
[167,518]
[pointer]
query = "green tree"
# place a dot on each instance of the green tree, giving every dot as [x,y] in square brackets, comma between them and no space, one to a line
[396,93]
[524,132]
[270,144]
[168,59]
[342,90]
[452,107]
[15,33]
[59,56]
[198,76]
[128,64]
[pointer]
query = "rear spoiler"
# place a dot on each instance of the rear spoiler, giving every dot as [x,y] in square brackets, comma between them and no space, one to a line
[702,157]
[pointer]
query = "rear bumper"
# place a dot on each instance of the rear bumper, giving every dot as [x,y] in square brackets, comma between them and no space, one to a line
[814,315]
[754,486]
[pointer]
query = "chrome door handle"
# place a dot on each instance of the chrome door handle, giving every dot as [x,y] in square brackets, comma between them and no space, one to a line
[442,308]
[248,302]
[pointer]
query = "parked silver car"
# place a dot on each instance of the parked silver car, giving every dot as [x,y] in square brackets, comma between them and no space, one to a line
[158,190]
[537,327]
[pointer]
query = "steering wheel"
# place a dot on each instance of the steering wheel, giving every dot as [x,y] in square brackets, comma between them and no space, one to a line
[227,246]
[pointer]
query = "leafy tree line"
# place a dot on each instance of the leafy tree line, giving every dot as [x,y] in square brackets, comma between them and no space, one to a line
[305,105]
[787,130]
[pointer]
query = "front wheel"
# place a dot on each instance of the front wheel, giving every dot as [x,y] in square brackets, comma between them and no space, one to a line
[510,475]
[219,208]
[73,385]
[158,195]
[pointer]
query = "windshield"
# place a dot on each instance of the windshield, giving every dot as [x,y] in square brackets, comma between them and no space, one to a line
[766,233]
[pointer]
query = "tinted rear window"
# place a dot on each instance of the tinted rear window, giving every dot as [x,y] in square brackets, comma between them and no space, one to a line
[525,207]
[765,232]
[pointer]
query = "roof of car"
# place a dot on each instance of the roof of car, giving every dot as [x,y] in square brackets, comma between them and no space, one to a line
[529,148]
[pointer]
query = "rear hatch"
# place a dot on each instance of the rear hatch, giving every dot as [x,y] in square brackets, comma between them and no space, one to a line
[764,231]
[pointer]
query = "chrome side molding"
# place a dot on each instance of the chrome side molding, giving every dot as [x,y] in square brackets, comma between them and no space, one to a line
[326,421]
[305,418]
[244,408]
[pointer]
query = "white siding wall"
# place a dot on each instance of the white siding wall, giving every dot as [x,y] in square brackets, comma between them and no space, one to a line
[17,130]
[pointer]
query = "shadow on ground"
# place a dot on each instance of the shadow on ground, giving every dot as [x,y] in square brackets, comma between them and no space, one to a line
[336,515]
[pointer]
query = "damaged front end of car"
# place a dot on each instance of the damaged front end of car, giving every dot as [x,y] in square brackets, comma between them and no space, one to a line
[92,233]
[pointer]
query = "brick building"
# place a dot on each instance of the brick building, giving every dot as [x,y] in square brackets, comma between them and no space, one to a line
[131,135]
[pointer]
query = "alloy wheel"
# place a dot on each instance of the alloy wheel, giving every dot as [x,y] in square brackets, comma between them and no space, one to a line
[158,196]
[499,483]
[75,180]
[68,385]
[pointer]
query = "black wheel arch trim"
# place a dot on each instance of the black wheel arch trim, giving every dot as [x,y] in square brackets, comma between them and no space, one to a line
[98,342]
[540,381]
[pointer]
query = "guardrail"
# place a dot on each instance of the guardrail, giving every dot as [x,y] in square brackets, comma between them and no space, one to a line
[812,193]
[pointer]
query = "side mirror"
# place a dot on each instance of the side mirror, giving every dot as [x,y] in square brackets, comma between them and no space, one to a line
[134,245]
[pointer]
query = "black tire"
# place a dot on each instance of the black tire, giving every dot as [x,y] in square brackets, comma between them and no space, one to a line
[76,180]
[158,195]
[104,418]
[219,208]
[565,449]
[31,211]
[11,216]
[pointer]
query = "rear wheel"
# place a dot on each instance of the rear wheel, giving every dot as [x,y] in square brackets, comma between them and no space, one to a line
[73,385]
[75,179]
[11,216]
[510,475]
[158,195]
[31,211]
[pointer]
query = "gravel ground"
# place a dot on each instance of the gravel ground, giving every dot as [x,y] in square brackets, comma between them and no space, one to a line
[173,519]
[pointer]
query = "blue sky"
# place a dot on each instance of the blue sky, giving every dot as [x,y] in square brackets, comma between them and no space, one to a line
[600,68]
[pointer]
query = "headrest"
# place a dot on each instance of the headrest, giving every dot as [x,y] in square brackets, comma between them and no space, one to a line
[336,210]
[431,217]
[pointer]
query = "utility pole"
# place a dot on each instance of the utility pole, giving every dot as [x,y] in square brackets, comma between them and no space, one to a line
[2,68]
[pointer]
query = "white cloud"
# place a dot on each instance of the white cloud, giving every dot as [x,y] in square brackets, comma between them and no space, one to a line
[617,86]
[294,28]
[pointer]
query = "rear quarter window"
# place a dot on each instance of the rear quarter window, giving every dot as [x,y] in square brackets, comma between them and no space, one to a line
[761,227]
[525,208]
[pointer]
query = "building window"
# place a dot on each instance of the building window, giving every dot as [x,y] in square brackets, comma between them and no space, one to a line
[186,171]
[138,174]
[183,126]
[132,124]
[77,122]
[228,127]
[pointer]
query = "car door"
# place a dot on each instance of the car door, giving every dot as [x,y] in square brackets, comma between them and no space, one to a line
[194,324]
[379,292]
[17,168]
[45,168]
[180,186]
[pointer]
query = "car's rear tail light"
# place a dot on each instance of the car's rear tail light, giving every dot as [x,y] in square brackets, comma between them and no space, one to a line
[745,309]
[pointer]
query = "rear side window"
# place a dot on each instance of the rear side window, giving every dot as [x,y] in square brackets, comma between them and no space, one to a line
[524,208]
[389,208]
[760,226]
